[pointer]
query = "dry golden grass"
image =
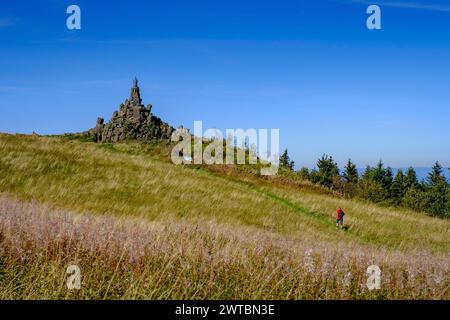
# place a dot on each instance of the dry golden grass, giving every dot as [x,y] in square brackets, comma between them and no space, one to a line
[156,230]
[132,258]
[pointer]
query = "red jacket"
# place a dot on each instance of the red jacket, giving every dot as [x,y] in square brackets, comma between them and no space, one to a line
[340,214]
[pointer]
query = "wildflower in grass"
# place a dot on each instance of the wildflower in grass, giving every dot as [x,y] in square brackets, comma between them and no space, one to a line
[309,261]
[347,279]
[143,259]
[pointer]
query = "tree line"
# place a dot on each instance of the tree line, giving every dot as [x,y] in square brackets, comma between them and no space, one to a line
[378,184]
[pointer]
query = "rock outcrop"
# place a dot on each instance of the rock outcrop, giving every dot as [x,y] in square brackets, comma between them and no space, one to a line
[133,121]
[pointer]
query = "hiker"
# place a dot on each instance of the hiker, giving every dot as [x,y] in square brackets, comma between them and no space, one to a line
[339,218]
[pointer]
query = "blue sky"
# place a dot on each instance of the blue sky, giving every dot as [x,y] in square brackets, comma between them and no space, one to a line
[310,68]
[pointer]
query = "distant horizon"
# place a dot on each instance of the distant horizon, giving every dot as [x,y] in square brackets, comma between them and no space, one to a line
[421,172]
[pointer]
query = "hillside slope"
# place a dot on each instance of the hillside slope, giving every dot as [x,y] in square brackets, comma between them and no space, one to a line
[133,184]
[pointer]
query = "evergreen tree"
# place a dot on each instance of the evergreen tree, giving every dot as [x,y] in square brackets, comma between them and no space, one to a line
[398,189]
[436,175]
[437,190]
[285,161]
[304,173]
[415,199]
[411,179]
[437,199]
[382,175]
[388,178]
[328,169]
[378,172]
[314,176]
[350,173]
[367,174]
[372,191]
[376,182]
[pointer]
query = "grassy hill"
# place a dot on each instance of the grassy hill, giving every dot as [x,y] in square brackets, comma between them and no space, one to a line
[140,227]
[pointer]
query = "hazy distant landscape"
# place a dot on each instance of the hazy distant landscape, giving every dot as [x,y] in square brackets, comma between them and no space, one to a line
[422,172]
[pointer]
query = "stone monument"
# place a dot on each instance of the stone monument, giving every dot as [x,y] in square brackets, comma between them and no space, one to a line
[133,121]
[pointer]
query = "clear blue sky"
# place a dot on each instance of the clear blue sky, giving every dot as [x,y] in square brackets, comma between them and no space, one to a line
[310,68]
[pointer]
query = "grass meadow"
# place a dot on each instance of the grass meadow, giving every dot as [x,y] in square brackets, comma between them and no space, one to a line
[140,227]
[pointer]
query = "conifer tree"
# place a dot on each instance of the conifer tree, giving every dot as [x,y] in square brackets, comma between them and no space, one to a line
[350,173]
[436,175]
[411,179]
[376,183]
[328,169]
[398,189]
[285,161]
[388,178]
[304,173]
[378,172]
[437,190]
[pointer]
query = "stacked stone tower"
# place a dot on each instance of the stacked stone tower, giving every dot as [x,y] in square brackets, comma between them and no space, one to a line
[133,121]
[135,96]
